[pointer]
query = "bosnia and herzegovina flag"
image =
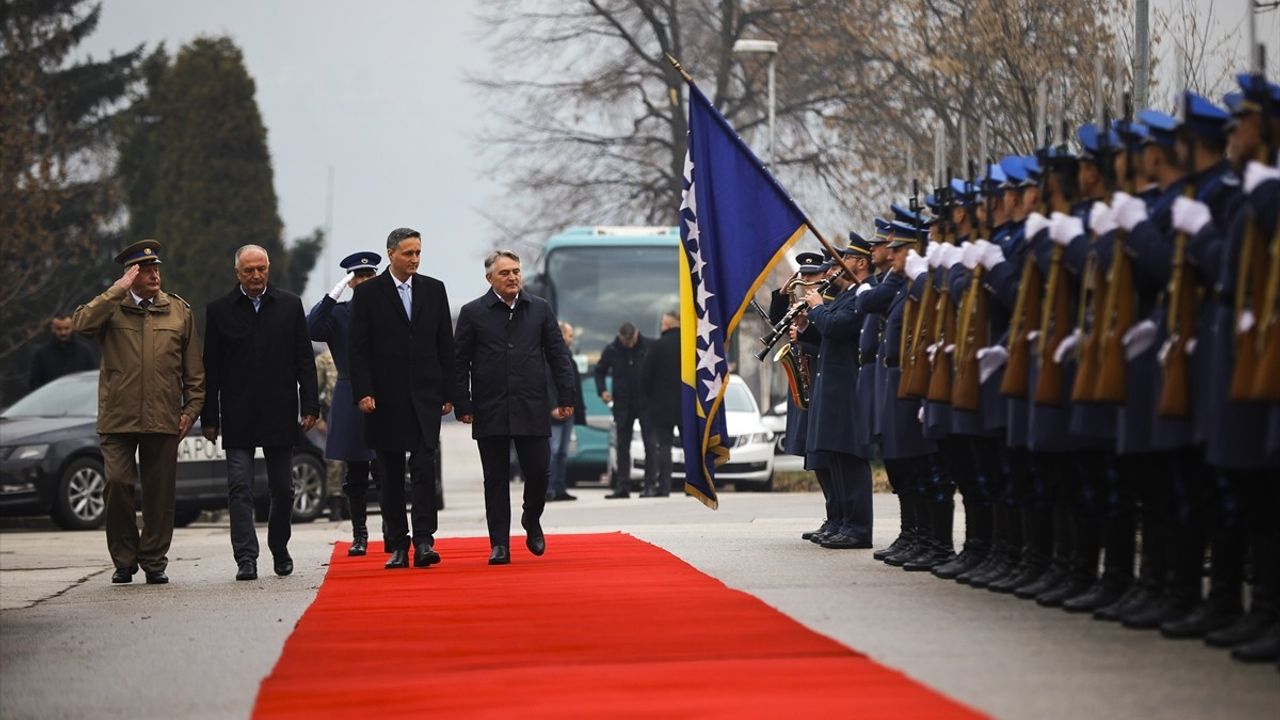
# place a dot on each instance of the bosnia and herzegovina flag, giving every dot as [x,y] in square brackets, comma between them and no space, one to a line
[736,222]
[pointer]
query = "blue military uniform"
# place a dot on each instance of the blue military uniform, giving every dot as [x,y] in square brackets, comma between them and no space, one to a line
[328,322]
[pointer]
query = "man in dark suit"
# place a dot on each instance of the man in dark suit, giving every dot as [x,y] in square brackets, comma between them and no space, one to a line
[506,341]
[401,357]
[62,355]
[258,361]
[622,358]
[660,383]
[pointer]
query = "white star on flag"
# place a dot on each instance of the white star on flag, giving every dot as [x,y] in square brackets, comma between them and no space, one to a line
[708,359]
[705,326]
[698,262]
[713,386]
[704,295]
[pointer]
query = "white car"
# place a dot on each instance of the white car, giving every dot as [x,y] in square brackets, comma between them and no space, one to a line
[750,465]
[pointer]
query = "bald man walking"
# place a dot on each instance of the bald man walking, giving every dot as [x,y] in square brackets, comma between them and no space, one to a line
[260,375]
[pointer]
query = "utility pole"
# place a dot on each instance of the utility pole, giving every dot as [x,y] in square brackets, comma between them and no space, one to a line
[328,230]
[1141,51]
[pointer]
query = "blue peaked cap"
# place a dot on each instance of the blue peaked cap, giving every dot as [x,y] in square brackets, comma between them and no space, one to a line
[1161,127]
[905,215]
[1092,138]
[1203,117]
[361,261]
[963,192]
[1014,170]
[1032,165]
[994,179]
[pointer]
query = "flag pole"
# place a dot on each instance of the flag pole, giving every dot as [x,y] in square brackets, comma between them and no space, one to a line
[821,240]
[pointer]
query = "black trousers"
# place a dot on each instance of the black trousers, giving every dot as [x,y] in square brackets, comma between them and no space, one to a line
[622,474]
[244,538]
[422,488]
[852,481]
[534,455]
[665,437]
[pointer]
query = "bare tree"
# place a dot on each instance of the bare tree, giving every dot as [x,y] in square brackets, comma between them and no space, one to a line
[590,120]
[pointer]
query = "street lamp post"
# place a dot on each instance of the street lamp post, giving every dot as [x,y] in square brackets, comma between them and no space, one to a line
[770,48]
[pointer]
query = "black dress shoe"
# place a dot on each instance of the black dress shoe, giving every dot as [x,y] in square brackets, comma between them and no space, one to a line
[283,564]
[424,555]
[1206,618]
[648,493]
[563,496]
[618,495]
[1265,649]
[157,577]
[893,547]
[499,555]
[359,546]
[1152,616]
[248,570]
[841,541]
[809,534]
[1248,627]
[399,559]
[124,574]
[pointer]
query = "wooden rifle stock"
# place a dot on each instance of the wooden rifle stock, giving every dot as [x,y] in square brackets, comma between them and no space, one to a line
[1180,320]
[916,367]
[1026,317]
[1055,308]
[944,329]
[1092,287]
[1250,277]
[972,334]
[1266,381]
[1117,317]
[906,342]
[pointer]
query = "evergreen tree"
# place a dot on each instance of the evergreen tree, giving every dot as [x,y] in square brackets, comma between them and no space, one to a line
[198,171]
[59,205]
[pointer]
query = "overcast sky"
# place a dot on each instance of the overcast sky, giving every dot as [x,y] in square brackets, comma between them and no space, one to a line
[376,90]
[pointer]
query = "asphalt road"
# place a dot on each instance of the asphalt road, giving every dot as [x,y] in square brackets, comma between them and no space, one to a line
[74,645]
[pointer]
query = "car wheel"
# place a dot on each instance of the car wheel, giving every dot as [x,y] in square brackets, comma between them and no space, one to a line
[308,487]
[780,444]
[81,500]
[183,518]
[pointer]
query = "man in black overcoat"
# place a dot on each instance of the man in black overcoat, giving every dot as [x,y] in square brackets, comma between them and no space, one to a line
[506,342]
[260,374]
[401,359]
[660,383]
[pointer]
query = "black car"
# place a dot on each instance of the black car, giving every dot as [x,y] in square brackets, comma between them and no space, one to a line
[50,462]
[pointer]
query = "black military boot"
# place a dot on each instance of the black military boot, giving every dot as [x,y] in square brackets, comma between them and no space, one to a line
[1149,587]
[1117,568]
[1265,600]
[917,533]
[977,542]
[905,508]
[1180,597]
[1083,570]
[1265,649]
[1009,555]
[823,529]
[1033,560]
[1224,604]
[939,547]
[359,528]
[997,559]
[1059,565]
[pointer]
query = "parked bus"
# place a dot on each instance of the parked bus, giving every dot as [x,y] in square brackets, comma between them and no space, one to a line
[596,279]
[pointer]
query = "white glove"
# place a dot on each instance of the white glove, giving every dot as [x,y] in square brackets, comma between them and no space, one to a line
[1128,211]
[915,265]
[862,287]
[950,349]
[934,254]
[1255,173]
[1190,346]
[1101,219]
[920,415]
[337,290]
[1190,216]
[1246,322]
[950,256]
[971,252]
[1035,223]
[1119,197]
[932,350]
[990,359]
[931,248]
[1065,228]
[1138,339]
[992,255]
[1065,347]
[1032,335]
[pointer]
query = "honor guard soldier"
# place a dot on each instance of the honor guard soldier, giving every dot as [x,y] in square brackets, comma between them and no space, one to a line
[149,395]
[329,322]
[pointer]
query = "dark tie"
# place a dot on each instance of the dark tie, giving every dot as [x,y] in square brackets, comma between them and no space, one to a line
[145,304]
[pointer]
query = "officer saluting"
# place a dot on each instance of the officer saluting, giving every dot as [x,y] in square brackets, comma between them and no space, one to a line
[153,374]
[328,322]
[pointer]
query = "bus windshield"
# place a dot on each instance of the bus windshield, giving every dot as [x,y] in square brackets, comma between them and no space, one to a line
[597,289]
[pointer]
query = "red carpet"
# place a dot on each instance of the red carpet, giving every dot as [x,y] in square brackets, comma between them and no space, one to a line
[601,626]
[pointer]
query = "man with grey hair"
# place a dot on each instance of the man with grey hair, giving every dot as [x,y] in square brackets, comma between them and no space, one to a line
[259,372]
[506,341]
[401,358]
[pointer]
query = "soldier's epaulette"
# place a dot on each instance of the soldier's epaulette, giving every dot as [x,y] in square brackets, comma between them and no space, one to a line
[180,299]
